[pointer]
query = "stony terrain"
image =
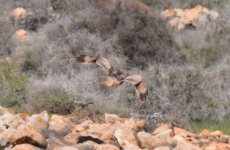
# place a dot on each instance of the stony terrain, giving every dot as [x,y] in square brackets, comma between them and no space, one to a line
[56,132]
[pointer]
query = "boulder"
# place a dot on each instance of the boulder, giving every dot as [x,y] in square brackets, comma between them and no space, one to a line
[19,12]
[162,148]
[98,129]
[111,118]
[11,121]
[24,134]
[161,128]
[25,147]
[65,148]
[60,124]
[21,34]
[147,140]
[106,147]
[39,121]
[186,146]
[125,137]
[109,134]
[82,126]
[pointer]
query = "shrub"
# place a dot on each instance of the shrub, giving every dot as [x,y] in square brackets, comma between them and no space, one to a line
[16,84]
[51,99]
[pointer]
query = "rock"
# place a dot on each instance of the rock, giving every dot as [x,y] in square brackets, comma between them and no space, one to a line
[109,134]
[25,147]
[165,138]
[147,140]
[82,126]
[179,139]
[89,145]
[106,147]
[217,133]
[220,146]
[133,147]
[213,15]
[21,34]
[125,137]
[186,146]
[71,138]
[200,20]
[39,121]
[24,134]
[11,121]
[18,12]
[65,148]
[161,128]
[98,129]
[111,118]
[224,139]
[60,124]
[174,22]
[210,148]
[183,132]
[162,148]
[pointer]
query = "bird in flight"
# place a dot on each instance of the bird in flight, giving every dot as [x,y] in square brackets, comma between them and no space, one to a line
[116,77]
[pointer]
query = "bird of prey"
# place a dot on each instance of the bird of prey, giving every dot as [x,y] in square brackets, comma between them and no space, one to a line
[140,86]
[116,77]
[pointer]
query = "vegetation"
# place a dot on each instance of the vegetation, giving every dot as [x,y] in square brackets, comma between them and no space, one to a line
[212,126]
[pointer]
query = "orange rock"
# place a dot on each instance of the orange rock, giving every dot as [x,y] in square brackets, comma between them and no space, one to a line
[186,146]
[205,131]
[125,137]
[65,148]
[161,128]
[220,146]
[21,34]
[82,126]
[25,147]
[19,12]
[106,147]
[184,133]
[162,148]
[98,129]
[109,134]
[71,138]
[174,22]
[217,133]
[168,12]
[60,124]
[133,147]
[147,140]
[24,134]
[211,148]
[111,118]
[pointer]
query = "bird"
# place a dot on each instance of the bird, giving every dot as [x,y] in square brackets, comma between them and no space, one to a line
[140,86]
[116,77]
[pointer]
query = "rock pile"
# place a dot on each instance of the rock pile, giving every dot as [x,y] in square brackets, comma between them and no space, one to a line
[55,132]
[197,17]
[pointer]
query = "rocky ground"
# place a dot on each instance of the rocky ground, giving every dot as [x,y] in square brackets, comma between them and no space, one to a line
[56,132]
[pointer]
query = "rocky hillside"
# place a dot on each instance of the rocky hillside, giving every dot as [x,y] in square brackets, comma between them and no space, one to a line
[56,132]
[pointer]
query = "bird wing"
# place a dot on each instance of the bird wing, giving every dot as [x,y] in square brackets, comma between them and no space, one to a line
[134,79]
[112,82]
[86,59]
[105,65]
[141,90]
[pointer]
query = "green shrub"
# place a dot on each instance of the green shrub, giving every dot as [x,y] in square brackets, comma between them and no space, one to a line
[212,126]
[51,99]
[17,85]
[203,57]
